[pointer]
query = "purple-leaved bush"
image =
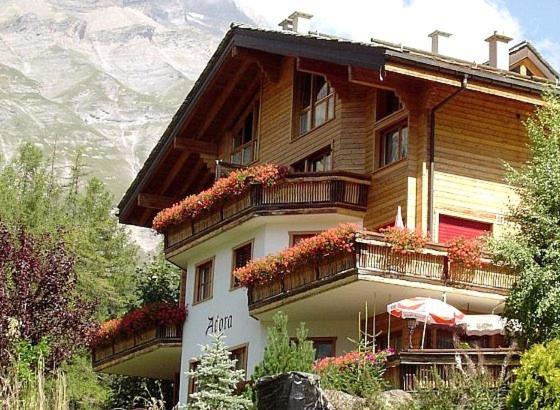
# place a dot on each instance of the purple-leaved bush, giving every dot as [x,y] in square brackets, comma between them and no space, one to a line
[38,298]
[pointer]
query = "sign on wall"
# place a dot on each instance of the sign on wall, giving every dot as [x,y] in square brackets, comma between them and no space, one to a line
[217,324]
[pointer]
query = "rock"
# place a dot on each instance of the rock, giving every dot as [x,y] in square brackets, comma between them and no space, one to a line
[396,398]
[344,401]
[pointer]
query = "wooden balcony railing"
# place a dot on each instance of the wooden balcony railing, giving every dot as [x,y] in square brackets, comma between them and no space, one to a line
[297,193]
[413,369]
[123,346]
[375,257]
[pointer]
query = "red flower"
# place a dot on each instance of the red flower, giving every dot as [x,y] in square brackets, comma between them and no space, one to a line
[466,252]
[235,184]
[403,240]
[331,242]
[138,320]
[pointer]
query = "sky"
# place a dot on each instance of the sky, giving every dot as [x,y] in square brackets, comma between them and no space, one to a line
[410,21]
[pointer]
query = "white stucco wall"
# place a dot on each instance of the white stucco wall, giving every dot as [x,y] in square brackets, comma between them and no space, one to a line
[269,234]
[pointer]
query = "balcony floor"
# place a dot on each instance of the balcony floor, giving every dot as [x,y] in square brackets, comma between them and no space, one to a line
[345,297]
[159,361]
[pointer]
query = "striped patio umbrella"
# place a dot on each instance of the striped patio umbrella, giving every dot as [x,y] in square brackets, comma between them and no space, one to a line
[427,310]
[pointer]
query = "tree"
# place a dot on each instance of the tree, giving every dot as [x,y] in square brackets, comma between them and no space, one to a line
[283,355]
[537,381]
[532,246]
[157,281]
[216,379]
[38,298]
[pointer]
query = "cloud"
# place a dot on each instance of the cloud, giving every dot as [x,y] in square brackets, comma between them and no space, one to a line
[407,22]
[551,50]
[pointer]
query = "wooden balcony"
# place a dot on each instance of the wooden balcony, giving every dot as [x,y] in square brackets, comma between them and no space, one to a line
[373,256]
[298,193]
[415,368]
[154,353]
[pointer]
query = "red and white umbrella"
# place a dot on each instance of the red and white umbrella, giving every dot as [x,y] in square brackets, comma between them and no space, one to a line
[427,310]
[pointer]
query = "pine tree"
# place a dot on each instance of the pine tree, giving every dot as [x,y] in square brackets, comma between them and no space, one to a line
[283,355]
[216,379]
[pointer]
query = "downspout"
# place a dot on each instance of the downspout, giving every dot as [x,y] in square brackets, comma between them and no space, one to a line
[432,149]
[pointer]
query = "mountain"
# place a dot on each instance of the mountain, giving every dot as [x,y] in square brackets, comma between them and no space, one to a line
[104,76]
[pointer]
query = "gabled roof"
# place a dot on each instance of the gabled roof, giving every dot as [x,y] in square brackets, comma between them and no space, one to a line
[526,50]
[374,55]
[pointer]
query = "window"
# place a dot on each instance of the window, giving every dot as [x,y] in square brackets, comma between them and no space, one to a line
[315,101]
[203,282]
[244,139]
[324,346]
[241,255]
[393,144]
[387,103]
[317,162]
[296,237]
[240,355]
[192,382]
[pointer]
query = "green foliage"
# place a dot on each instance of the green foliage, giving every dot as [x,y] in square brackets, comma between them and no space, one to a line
[356,373]
[157,281]
[283,355]
[216,379]
[533,246]
[537,383]
[86,389]
[462,390]
[132,392]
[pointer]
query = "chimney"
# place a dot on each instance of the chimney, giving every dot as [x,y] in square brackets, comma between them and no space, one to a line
[298,22]
[439,40]
[498,51]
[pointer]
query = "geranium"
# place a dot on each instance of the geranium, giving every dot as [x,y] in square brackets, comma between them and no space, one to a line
[466,252]
[404,240]
[358,372]
[235,184]
[332,242]
[138,320]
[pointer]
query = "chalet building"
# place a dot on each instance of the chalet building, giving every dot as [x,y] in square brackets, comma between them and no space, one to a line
[365,128]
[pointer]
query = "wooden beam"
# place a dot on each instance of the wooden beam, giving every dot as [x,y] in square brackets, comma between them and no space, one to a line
[269,63]
[153,201]
[234,114]
[219,102]
[195,146]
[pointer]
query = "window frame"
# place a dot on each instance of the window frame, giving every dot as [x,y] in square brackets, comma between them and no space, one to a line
[196,296]
[309,159]
[245,348]
[191,388]
[252,107]
[329,99]
[233,285]
[294,234]
[381,144]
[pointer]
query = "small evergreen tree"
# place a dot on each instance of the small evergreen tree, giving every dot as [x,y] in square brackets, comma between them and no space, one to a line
[216,379]
[283,355]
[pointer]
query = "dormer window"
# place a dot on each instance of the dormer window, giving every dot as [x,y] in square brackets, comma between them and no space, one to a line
[315,102]
[244,138]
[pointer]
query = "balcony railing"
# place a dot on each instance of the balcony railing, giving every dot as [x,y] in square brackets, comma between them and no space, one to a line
[425,368]
[123,346]
[373,256]
[297,193]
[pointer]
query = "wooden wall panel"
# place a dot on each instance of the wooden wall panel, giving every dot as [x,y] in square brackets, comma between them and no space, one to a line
[475,136]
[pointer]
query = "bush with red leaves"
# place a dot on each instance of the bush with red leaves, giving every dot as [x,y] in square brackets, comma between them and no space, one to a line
[38,297]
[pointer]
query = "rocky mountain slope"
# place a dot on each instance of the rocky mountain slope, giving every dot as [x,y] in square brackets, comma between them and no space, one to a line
[104,76]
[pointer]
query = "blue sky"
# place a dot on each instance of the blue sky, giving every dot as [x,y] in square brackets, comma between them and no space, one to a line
[540,23]
[409,21]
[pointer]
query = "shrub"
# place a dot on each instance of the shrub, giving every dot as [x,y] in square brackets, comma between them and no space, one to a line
[404,240]
[466,252]
[357,373]
[235,184]
[332,242]
[537,383]
[283,355]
